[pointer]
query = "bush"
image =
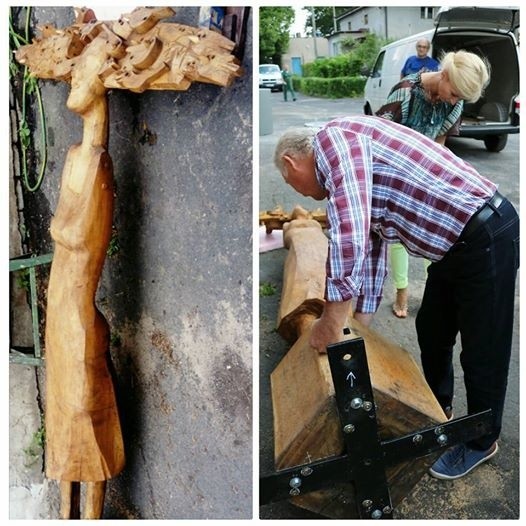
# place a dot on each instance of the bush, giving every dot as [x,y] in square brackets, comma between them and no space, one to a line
[340,76]
[340,66]
[332,88]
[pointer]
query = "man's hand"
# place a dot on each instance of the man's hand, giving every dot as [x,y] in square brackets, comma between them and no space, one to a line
[322,335]
[329,328]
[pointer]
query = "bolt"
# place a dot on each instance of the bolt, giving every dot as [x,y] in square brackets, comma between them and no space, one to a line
[347,357]
[306,471]
[417,439]
[294,492]
[442,439]
[439,430]
[376,514]
[367,503]
[349,428]
[367,461]
[367,406]
[356,403]
[387,510]
[295,482]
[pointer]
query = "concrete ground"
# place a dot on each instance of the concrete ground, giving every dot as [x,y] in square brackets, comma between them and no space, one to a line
[492,490]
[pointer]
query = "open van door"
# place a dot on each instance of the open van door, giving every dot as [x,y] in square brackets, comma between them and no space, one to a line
[504,19]
[490,32]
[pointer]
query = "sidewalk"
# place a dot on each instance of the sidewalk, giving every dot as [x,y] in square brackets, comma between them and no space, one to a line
[492,490]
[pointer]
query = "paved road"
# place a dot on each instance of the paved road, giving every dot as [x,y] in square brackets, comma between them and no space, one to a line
[491,491]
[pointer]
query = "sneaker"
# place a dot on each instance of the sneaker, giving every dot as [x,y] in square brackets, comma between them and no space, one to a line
[459,461]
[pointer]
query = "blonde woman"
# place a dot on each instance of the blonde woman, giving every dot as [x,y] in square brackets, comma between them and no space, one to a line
[431,103]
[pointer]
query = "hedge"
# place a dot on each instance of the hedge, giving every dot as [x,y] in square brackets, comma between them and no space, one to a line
[339,66]
[332,88]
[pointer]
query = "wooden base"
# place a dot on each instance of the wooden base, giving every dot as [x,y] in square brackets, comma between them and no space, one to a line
[306,423]
[307,426]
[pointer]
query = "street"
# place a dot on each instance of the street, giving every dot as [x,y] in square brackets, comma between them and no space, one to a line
[492,490]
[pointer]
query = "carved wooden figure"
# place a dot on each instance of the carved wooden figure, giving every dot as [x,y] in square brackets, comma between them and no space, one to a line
[137,52]
[276,218]
[306,422]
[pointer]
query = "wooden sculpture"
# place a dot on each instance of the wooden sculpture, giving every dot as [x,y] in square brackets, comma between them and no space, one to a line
[137,52]
[276,218]
[306,423]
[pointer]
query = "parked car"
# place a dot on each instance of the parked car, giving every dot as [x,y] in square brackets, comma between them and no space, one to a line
[270,77]
[489,32]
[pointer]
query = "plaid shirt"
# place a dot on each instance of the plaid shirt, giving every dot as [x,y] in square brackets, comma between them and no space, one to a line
[388,184]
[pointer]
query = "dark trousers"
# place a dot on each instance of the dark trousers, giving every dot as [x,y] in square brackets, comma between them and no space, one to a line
[287,87]
[471,292]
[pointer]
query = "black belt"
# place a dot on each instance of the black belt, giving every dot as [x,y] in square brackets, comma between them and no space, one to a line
[481,215]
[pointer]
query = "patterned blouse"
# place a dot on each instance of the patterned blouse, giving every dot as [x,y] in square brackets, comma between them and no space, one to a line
[407,104]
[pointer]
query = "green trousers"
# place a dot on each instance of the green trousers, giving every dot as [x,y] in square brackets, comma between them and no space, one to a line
[400,265]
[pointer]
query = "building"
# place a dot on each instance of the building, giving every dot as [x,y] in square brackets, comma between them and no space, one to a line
[303,50]
[385,22]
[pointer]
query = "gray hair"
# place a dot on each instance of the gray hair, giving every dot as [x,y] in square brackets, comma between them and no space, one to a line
[295,142]
[468,73]
[425,41]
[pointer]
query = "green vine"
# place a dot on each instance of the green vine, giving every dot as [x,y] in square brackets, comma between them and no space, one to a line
[113,246]
[34,450]
[29,87]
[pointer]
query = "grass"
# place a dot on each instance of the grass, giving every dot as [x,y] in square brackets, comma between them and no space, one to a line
[267,289]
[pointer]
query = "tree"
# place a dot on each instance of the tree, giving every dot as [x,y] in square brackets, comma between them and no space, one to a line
[366,50]
[324,18]
[274,25]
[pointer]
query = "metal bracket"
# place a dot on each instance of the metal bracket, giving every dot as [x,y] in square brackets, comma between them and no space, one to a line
[366,457]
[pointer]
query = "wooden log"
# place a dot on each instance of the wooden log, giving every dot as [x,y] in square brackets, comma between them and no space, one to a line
[303,290]
[306,422]
[303,398]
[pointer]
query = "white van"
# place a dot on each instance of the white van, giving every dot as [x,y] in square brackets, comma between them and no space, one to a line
[489,32]
[270,77]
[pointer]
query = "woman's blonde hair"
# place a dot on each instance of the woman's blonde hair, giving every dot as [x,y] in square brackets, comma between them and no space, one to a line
[468,73]
[296,142]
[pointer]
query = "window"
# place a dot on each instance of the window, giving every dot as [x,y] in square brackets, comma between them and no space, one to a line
[377,69]
[348,26]
[365,19]
[426,13]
